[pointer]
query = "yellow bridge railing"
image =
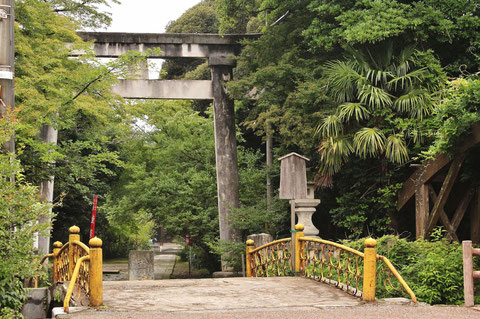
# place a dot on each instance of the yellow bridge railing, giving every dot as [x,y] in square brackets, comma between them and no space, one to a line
[351,270]
[81,266]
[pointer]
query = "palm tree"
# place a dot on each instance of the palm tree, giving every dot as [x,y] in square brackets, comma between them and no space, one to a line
[382,99]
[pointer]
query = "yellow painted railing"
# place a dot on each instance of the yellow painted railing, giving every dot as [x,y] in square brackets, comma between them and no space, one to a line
[81,266]
[351,270]
[272,259]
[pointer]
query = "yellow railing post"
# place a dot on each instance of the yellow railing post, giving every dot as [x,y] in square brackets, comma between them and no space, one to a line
[298,247]
[56,248]
[248,267]
[73,236]
[369,269]
[96,272]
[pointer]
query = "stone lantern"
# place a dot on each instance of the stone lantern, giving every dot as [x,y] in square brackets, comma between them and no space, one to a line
[293,186]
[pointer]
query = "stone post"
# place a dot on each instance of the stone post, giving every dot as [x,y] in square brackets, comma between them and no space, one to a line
[56,249]
[225,146]
[96,272]
[369,269]
[304,208]
[73,236]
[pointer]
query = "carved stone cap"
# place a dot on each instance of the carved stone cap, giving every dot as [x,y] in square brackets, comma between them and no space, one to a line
[307,202]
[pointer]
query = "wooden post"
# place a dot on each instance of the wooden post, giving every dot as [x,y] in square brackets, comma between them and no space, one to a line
[475,219]
[96,272]
[56,249]
[369,269]
[298,247]
[421,210]
[250,244]
[468,272]
[73,236]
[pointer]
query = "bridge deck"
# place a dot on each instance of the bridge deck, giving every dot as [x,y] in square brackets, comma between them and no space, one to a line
[272,298]
[220,294]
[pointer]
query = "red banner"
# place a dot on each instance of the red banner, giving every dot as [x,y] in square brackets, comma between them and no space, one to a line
[94,217]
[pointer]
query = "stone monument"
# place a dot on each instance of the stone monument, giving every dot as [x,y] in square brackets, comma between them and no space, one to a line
[141,265]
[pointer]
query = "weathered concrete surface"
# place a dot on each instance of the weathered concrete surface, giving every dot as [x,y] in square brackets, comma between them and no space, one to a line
[286,297]
[225,151]
[140,265]
[220,294]
[165,89]
[191,45]
[362,312]
[37,303]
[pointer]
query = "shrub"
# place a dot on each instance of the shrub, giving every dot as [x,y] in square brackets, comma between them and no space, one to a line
[432,269]
[20,210]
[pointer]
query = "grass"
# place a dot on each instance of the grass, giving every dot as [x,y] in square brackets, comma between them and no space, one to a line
[123,260]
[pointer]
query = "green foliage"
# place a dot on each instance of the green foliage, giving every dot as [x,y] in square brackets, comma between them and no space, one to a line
[378,90]
[84,12]
[432,269]
[456,114]
[170,176]
[20,209]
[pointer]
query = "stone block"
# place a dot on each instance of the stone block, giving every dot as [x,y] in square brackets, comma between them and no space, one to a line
[260,239]
[37,303]
[141,265]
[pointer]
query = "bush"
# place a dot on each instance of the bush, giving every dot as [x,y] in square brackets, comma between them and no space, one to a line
[432,269]
[20,210]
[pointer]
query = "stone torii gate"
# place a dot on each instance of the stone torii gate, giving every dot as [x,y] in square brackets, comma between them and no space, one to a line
[220,51]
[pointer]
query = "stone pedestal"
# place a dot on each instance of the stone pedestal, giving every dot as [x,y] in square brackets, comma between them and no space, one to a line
[304,208]
[260,239]
[141,265]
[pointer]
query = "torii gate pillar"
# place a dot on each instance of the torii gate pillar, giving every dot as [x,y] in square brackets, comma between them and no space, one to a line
[225,146]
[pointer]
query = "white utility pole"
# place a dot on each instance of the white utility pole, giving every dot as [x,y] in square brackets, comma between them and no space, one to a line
[7,59]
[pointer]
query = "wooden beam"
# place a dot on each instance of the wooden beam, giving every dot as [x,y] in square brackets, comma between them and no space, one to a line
[421,210]
[423,174]
[443,216]
[462,208]
[475,219]
[444,192]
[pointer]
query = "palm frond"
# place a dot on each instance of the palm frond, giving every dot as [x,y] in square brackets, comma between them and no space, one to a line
[348,110]
[407,80]
[331,126]
[396,150]
[369,141]
[379,77]
[373,96]
[341,79]
[416,102]
[334,152]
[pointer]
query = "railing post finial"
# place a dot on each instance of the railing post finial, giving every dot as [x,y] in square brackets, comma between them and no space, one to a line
[96,272]
[369,269]
[72,237]
[56,249]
